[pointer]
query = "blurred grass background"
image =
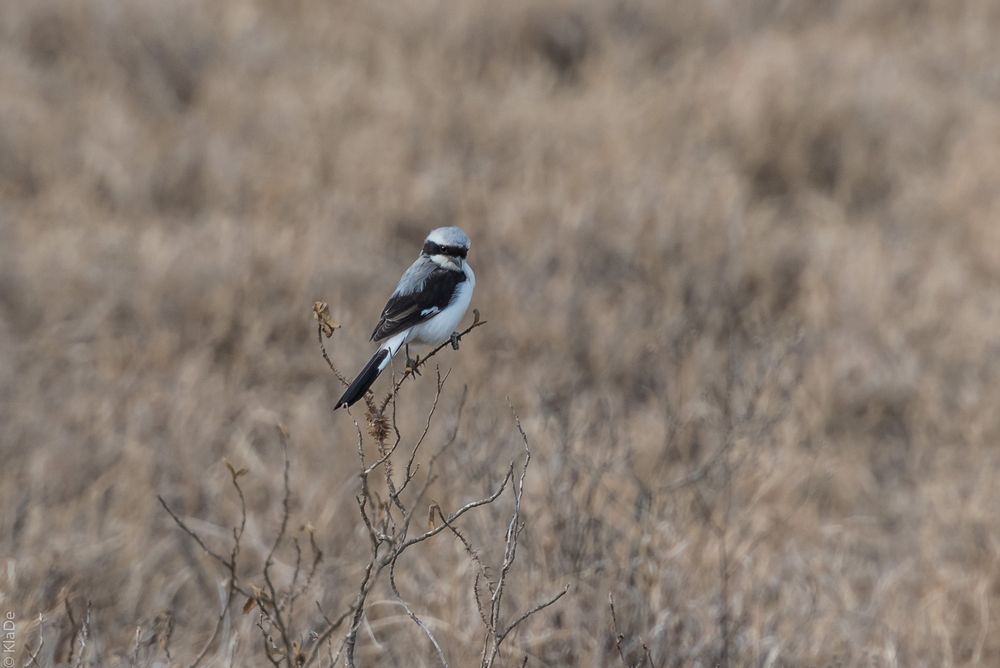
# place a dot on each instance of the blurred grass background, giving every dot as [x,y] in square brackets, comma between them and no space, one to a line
[764,228]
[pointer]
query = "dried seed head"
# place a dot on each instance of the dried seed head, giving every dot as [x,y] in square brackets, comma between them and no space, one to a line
[378,426]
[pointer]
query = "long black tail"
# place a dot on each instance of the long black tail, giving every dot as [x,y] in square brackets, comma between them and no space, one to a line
[357,389]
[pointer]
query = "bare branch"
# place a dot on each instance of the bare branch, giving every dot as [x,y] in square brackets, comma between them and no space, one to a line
[33,657]
[324,635]
[326,327]
[410,470]
[278,618]
[476,322]
[461,511]
[317,556]
[226,602]
[530,612]
[134,659]
[184,527]
[83,636]
[231,585]
[409,613]
[358,608]
[619,636]
[494,634]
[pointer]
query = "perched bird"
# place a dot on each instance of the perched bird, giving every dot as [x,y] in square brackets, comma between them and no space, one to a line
[426,307]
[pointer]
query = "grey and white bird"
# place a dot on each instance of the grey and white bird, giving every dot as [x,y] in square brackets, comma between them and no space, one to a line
[428,304]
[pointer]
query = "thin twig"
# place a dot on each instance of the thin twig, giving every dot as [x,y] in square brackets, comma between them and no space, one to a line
[83,635]
[476,322]
[410,471]
[231,585]
[325,634]
[494,634]
[326,327]
[74,628]
[184,527]
[135,646]
[474,555]
[279,620]
[619,636]
[530,612]
[33,657]
[295,592]
[461,511]
[409,613]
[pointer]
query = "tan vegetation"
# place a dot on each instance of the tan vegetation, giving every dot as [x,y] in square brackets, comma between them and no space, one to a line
[740,263]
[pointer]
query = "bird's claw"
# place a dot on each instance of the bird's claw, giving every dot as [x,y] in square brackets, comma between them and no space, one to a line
[413,365]
[455,338]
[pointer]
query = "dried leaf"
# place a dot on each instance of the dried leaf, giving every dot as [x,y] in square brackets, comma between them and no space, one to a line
[321,311]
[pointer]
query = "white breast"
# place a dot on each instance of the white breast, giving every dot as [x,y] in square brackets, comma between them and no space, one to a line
[438,329]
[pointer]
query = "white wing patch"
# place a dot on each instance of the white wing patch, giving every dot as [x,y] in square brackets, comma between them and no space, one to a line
[429,311]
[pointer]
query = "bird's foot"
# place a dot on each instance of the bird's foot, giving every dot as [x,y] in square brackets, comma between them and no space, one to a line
[412,365]
[455,338]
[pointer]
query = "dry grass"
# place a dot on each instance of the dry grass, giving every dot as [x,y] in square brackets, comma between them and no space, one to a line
[741,263]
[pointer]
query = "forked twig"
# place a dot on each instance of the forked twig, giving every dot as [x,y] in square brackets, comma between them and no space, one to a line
[620,639]
[495,632]
[231,585]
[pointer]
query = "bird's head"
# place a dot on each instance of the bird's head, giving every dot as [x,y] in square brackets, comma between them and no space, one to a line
[447,246]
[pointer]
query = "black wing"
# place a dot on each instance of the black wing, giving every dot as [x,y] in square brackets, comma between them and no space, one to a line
[404,311]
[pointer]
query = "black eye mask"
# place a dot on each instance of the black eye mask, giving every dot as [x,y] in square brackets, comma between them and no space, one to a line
[431,248]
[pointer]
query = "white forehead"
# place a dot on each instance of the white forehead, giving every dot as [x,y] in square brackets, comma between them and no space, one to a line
[449,236]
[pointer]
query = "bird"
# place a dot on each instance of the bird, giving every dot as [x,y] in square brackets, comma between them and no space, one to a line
[426,307]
